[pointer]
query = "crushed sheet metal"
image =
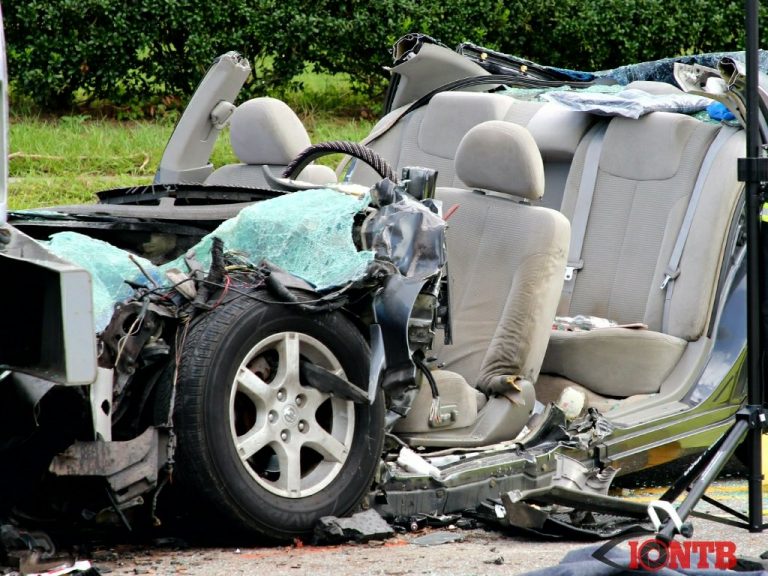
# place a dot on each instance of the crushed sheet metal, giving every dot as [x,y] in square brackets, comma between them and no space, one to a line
[589,429]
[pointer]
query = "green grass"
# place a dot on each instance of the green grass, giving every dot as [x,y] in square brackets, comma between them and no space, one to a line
[67,160]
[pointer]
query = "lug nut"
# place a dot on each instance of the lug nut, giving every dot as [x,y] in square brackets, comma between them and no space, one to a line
[272,417]
[284,435]
[281,395]
[299,400]
[302,426]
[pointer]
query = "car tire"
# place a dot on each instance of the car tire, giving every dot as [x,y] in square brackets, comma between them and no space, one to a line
[256,446]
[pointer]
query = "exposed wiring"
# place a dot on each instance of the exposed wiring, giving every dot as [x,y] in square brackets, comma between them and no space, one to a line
[227,282]
[324,300]
[132,331]
[133,259]
[434,410]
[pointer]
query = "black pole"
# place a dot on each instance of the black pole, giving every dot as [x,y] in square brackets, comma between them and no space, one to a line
[751,419]
[708,474]
[754,270]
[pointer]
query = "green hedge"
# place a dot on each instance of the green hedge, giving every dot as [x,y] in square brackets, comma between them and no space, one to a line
[63,52]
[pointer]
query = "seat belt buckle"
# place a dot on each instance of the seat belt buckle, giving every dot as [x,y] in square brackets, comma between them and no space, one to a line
[668,276]
[571,268]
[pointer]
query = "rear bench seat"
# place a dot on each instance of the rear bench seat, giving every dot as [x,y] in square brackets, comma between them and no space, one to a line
[429,136]
[646,174]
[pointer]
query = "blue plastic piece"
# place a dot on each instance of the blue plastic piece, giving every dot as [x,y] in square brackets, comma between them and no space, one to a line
[718,111]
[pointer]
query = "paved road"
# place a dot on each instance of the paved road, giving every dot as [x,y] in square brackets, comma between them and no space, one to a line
[480,552]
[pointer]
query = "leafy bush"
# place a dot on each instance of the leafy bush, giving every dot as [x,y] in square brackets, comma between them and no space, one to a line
[142,53]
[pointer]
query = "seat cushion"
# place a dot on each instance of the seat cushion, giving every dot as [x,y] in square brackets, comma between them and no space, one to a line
[617,362]
[549,387]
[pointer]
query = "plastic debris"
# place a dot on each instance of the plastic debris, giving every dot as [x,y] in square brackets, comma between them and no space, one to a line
[412,462]
[361,527]
[80,567]
[437,538]
[628,103]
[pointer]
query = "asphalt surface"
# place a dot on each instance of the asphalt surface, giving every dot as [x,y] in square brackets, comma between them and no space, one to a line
[479,551]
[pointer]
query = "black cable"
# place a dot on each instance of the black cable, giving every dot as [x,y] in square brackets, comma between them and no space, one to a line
[427,374]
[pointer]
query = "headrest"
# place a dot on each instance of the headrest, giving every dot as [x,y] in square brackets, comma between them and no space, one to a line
[449,115]
[653,87]
[267,131]
[502,157]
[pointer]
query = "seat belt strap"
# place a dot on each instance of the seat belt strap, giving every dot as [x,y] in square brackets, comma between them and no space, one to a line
[581,215]
[672,270]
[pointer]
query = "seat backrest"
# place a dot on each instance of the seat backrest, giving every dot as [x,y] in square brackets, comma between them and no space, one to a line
[646,174]
[429,136]
[265,135]
[505,258]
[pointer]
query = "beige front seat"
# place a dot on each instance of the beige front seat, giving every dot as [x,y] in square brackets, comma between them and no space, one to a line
[266,135]
[645,177]
[505,264]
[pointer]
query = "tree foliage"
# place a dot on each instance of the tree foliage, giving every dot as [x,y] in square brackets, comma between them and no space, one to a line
[63,52]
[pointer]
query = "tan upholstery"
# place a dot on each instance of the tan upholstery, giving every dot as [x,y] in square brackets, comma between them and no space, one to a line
[549,387]
[481,160]
[430,135]
[456,398]
[615,361]
[505,262]
[647,172]
[266,134]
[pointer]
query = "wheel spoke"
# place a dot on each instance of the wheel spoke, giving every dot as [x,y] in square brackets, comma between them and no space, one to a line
[326,445]
[252,441]
[288,371]
[289,458]
[253,386]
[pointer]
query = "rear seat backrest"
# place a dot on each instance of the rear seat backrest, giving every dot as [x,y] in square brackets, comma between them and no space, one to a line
[429,136]
[647,171]
[505,259]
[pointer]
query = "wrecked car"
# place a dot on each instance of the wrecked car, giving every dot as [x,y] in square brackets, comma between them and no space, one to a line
[519,286]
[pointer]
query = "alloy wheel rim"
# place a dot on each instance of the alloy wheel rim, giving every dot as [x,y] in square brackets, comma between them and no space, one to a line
[293,440]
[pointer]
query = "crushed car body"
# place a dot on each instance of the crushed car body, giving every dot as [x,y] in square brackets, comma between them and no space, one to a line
[519,287]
